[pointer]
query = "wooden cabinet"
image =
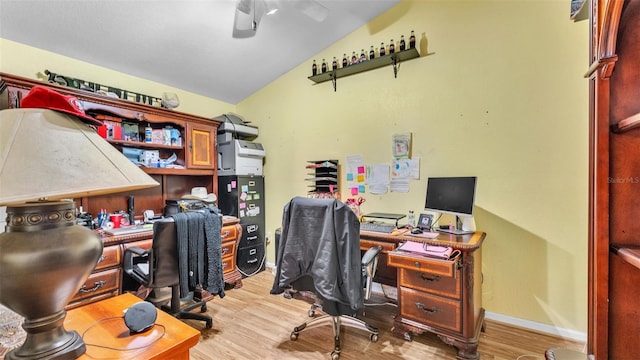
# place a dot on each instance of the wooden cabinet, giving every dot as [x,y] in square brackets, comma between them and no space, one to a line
[230,234]
[200,140]
[614,186]
[195,151]
[441,296]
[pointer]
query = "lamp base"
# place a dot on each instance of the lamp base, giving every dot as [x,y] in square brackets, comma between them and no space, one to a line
[45,257]
[68,345]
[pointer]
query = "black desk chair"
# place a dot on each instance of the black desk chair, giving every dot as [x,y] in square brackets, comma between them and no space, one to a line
[158,268]
[319,252]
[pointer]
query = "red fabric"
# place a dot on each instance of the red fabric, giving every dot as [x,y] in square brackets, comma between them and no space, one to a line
[45,98]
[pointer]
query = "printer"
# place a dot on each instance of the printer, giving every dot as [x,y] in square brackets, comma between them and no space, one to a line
[237,154]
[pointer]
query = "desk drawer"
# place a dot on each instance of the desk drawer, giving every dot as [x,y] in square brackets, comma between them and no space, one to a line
[99,282]
[368,244]
[430,309]
[229,248]
[228,232]
[429,282]
[228,263]
[412,261]
[111,256]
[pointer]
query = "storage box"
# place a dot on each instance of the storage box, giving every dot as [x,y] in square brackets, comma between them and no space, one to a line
[149,156]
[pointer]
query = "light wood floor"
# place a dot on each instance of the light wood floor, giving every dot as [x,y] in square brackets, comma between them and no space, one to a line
[249,323]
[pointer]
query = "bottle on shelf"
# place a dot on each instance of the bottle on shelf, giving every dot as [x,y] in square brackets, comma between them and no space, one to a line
[412,219]
[372,53]
[412,40]
[392,47]
[345,62]
[354,58]
[382,51]
[314,69]
[148,134]
[334,64]
[402,43]
[324,66]
[363,57]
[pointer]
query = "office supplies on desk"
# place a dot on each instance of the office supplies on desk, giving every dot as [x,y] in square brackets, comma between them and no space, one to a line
[377,227]
[424,235]
[126,230]
[388,216]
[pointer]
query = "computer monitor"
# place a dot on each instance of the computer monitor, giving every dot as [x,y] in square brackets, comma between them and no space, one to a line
[453,195]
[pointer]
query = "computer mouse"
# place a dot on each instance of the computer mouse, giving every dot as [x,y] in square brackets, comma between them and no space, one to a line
[416,231]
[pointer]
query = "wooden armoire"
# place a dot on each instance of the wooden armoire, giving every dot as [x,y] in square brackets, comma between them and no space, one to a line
[614,170]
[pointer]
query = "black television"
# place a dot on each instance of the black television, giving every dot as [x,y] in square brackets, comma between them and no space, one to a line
[455,196]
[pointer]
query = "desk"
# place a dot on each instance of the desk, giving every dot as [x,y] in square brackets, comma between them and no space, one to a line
[108,278]
[440,296]
[173,345]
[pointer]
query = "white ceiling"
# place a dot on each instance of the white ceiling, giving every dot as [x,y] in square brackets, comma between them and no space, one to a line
[186,44]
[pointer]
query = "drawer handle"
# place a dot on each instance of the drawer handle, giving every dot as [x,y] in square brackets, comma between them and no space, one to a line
[430,278]
[225,250]
[101,259]
[97,285]
[252,261]
[417,264]
[224,265]
[432,310]
[225,234]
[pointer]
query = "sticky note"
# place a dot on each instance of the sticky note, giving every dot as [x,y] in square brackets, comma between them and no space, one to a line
[354,191]
[256,196]
[361,188]
[233,184]
[242,205]
[349,177]
[361,178]
[360,169]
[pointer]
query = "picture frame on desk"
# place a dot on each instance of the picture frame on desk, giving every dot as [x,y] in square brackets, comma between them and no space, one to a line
[425,221]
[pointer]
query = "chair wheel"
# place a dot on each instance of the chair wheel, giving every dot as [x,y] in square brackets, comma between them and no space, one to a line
[209,324]
[373,337]
[293,336]
[311,313]
[203,308]
[335,355]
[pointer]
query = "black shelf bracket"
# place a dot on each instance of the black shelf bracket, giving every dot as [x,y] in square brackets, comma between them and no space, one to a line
[334,80]
[394,62]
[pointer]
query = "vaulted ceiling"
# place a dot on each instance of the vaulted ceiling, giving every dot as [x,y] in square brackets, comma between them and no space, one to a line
[188,44]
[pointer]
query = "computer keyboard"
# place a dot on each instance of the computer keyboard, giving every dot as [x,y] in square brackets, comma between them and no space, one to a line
[377,227]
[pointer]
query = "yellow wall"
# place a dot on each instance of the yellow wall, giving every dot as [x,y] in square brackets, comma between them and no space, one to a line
[500,95]
[30,62]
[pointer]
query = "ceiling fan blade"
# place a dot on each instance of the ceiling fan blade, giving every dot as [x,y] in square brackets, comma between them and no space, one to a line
[247,17]
[245,6]
[312,9]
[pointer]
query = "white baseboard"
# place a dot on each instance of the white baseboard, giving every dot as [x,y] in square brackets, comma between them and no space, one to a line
[540,327]
[527,324]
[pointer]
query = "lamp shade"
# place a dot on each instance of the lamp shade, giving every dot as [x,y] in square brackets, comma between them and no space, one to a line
[52,155]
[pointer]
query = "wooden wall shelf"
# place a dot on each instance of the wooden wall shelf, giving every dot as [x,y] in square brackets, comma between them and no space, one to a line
[391,59]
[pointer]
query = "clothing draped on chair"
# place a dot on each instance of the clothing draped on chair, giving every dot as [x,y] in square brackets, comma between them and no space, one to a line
[322,242]
[200,251]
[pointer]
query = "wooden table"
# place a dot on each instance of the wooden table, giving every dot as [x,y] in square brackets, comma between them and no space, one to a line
[101,323]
